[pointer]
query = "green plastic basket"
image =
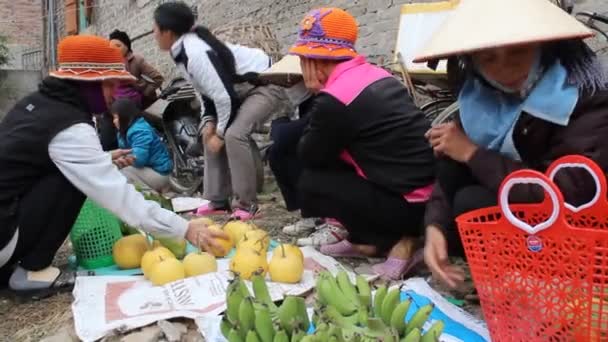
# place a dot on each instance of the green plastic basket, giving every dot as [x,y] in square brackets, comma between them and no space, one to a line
[93,235]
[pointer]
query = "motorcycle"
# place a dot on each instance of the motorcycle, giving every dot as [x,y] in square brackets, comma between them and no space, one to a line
[176,116]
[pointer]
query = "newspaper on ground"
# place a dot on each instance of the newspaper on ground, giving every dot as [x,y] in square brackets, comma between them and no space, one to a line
[105,304]
[186,204]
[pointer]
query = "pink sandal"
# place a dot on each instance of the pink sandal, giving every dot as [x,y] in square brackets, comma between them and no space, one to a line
[243,215]
[395,269]
[208,209]
[342,249]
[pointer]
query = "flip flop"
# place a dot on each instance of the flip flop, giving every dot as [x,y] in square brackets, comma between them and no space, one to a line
[396,269]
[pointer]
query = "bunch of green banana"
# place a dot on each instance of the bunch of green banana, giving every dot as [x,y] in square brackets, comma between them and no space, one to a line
[352,301]
[350,308]
[258,319]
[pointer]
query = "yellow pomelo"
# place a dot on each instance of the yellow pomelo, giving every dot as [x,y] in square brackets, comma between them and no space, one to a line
[167,271]
[247,262]
[199,263]
[285,267]
[225,245]
[153,256]
[128,251]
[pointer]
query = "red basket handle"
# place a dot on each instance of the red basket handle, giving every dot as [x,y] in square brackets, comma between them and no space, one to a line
[531,177]
[590,166]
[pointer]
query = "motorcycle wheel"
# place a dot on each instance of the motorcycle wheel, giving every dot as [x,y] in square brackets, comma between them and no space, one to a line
[184,187]
[185,183]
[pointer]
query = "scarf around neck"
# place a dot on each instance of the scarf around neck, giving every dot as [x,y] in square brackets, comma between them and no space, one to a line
[488,116]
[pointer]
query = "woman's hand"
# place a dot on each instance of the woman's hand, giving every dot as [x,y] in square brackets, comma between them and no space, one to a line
[200,236]
[436,258]
[449,140]
[214,143]
[122,158]
[311,75]
[208,131]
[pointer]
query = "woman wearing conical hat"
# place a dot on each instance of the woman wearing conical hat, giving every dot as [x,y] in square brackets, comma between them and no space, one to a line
[51,160]
[530,91]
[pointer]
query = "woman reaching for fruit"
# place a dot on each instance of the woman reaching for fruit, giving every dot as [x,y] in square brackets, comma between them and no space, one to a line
[52,160]
[538,94]
[366,161]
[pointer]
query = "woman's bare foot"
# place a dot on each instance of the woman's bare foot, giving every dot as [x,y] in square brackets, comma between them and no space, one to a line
[367,250]
[346,249]
[404,249]
[401,260]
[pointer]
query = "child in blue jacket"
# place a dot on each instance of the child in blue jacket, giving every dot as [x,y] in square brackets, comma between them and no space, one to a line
[153,163]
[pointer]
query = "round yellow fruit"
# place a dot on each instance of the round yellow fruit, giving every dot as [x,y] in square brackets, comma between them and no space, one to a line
[128,251]
[207,221]
[236,229]
[199,263]
[247,262]
[285,267]
[292,249]
[167,271]
[153,256]
[225,245]
[257,235]
[256,245]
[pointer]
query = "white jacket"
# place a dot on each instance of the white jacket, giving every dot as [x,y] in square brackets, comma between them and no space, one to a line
[202,67]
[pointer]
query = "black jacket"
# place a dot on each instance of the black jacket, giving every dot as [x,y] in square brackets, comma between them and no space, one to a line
[382,130]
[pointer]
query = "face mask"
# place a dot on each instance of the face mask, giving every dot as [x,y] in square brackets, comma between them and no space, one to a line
[533,76]
[92,94]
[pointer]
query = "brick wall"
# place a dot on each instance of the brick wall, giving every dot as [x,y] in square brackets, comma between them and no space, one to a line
[378,20]
[21,23]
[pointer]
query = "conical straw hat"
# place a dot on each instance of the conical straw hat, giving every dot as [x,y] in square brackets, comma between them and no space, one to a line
[481,24]
[284,72]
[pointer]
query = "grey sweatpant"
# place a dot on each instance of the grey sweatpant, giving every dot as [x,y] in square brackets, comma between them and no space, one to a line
[231,172]
[146,178]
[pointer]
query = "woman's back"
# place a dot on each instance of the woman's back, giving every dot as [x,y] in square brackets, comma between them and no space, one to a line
[148,149]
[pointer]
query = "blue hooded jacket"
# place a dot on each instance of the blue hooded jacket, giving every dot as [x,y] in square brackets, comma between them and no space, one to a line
[148,149]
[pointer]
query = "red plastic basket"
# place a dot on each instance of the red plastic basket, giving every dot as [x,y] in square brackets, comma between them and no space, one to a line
[541,270]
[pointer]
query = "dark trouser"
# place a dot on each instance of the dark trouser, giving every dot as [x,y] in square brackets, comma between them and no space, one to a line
[45,217]
[464,193]
[283,158]
[107,132]
[371,214]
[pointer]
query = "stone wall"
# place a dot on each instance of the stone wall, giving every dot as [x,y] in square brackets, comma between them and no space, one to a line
[14,85]
[21,24]
[378,20]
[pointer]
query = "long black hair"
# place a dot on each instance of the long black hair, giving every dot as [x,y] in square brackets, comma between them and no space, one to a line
[178,18]
[127,112]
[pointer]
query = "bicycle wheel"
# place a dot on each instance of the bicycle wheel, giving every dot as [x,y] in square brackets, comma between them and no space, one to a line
[432,109]
[447,115]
